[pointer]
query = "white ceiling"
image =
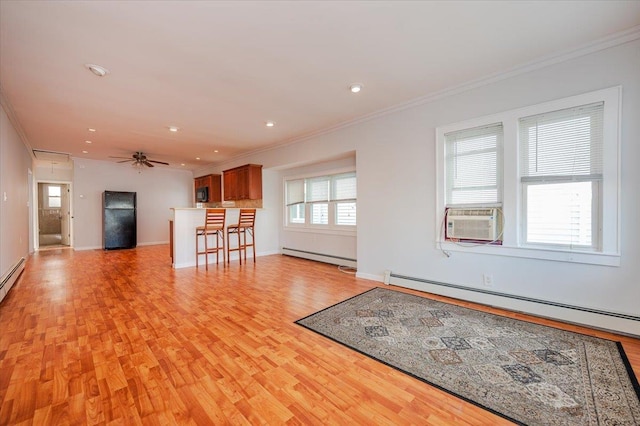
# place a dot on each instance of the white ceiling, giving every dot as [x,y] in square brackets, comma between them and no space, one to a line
[219,70]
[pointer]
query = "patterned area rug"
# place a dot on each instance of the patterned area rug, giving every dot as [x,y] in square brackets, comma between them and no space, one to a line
[527,373]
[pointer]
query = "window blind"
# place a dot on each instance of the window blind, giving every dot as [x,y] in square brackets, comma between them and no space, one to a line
[318,189]
[295,192]
[343,187]
[562,144]
[473,166]
[561,169]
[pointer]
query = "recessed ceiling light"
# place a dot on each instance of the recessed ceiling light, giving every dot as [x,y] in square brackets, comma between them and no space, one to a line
[91,130]
[215,150]
[97,70]
[182,164]
[270,123]
[197,158]
[355,87]
[87,142]
[85,152]
[173,128]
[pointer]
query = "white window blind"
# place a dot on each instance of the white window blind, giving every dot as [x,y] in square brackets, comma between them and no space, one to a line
[317,189]
[561,170]
[295,192]
[562,144]
[343,187]
[473,166]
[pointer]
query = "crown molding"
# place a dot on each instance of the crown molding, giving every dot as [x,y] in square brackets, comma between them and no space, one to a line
[8,109]
[613,40]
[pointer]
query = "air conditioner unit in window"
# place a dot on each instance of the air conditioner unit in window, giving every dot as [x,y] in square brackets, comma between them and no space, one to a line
[472,224]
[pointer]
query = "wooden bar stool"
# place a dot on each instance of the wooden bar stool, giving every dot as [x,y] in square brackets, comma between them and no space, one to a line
[245,225]
[214,225]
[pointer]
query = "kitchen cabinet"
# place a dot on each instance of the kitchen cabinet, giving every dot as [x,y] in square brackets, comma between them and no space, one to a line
[243,183]
[214,185]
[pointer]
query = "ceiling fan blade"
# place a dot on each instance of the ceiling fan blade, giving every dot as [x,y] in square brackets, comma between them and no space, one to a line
[159,162]
[128,158]
[123,161]
[147,163]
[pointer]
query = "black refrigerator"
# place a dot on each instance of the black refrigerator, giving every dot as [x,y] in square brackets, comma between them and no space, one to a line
[119,220]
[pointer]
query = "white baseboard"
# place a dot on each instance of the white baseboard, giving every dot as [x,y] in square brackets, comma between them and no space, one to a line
[320,257]
[610,321]
[372,277]
[9,279]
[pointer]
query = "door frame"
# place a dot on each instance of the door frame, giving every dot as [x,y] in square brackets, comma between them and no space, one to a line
[36,203]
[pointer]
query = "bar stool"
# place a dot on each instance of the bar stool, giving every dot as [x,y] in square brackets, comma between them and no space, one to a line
[245,226]
[214,225]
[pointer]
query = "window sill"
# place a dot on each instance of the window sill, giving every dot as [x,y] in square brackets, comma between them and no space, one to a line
[329,231]
[603,259]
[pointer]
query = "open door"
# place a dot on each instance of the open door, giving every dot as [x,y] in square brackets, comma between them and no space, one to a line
[65,216]
[54,215]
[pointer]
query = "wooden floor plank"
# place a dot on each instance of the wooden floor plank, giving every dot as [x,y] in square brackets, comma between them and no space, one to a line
[118,337]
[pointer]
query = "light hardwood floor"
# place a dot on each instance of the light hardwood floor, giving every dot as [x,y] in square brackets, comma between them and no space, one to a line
[119,337]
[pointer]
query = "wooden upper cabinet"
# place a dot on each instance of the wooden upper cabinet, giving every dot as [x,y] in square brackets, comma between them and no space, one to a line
[243,183]
[214,183]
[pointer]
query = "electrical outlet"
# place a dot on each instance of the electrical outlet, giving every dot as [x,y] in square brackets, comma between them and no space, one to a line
[487,280]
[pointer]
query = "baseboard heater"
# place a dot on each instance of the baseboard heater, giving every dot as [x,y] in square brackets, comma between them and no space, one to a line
[619,322]
[10,278]
[320,257]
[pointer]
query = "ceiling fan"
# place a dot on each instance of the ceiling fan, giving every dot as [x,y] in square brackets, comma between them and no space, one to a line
[139,159]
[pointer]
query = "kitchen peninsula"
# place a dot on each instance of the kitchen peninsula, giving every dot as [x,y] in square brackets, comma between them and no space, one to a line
[182,231]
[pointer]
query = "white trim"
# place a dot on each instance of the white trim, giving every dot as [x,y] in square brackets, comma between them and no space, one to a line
[36,211]
[512,193]
[319,257]
[372,277]
[592,258]
[322,230]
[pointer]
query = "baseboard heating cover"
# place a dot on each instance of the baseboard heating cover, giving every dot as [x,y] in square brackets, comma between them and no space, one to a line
[611,321]
[10,277]
[320,257]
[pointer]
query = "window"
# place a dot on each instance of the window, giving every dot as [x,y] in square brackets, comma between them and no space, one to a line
[54,200]
[473,166]
[555,178]
[561,175]
[322,201]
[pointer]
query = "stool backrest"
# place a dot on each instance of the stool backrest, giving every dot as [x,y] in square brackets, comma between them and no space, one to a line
[215,218]
[247,218]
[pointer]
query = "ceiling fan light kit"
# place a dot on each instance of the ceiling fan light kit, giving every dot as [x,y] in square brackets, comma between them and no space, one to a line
[139,159]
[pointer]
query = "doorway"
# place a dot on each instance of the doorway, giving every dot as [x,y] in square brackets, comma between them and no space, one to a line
[54,215]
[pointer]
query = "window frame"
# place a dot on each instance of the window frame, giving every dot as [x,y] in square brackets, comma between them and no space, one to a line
[50,197]
[331,227]
[513,196]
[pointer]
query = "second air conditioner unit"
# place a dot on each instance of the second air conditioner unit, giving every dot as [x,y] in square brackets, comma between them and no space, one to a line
[472,224]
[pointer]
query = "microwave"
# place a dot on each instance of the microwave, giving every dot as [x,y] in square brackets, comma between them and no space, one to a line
[202,194]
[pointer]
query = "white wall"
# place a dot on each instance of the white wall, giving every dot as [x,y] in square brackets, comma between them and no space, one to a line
[53,174]
[15,163]
[396,190]
[158,189]
[397,187]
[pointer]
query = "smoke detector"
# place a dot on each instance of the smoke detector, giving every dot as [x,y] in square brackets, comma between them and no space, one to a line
[97,69]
